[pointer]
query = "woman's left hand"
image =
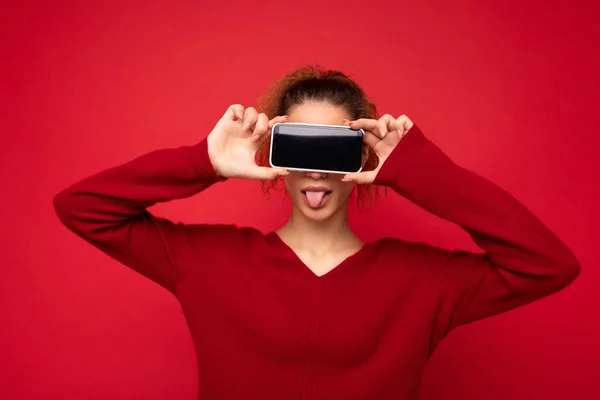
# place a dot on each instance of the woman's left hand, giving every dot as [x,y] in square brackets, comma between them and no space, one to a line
[382,136]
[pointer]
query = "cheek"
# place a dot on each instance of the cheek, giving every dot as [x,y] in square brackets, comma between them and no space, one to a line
[345,190]
[286,185]
[290,183]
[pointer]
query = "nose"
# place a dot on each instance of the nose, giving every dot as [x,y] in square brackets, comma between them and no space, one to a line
[316,175]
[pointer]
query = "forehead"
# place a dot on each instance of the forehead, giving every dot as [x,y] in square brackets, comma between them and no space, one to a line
[316,112]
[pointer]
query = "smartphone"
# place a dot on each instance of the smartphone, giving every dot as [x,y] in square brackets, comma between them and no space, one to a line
[317,148]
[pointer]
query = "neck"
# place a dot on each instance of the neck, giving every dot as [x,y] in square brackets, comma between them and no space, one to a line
[323,236]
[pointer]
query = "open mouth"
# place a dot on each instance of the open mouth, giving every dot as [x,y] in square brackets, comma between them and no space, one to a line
[316,198]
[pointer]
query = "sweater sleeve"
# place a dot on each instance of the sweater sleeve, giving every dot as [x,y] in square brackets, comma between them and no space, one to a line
[109,210]
[522,261]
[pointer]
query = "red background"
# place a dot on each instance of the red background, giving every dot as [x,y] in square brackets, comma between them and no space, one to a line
[507,89]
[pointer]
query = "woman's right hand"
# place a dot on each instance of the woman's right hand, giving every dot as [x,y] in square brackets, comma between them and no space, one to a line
[234,141]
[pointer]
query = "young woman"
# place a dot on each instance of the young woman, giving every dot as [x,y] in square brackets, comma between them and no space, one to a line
[310,311]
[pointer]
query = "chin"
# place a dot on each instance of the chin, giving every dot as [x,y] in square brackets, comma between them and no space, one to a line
[321,214]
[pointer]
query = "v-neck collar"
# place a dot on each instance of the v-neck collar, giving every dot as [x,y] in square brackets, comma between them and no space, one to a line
[354,259]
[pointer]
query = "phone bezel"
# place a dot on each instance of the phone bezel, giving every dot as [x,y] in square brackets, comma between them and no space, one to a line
[304,169]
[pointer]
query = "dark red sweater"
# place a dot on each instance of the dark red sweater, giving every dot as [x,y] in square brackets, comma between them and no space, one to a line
[265,327]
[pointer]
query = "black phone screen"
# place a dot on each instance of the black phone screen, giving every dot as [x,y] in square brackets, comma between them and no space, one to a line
[316,147]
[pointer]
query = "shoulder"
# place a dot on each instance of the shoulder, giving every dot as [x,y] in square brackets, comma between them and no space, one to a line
[222,233]
[415,251]
[416,262]
[398,244]
[213,241]
[226,229]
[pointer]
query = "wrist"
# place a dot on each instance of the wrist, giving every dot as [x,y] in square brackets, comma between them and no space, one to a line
[401,157]
[203,162]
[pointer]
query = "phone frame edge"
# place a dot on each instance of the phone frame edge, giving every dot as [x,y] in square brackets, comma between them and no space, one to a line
[303,169]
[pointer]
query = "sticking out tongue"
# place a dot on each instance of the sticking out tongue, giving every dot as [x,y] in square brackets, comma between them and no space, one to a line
[315,198]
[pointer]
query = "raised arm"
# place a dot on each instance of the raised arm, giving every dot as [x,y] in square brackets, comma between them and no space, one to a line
[522,261]
[109,208]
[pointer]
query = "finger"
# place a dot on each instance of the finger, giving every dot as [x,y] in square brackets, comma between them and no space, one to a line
[280,118]
[268,173]
[399,132]
[262,124]
[260,135]
[369,126]
[250,118]
[261,129]
[386,124]
[361,178]
[264,136]
[234,111]
[393,139]
[398,127]
[404,124]
[382,128]
[371,140]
